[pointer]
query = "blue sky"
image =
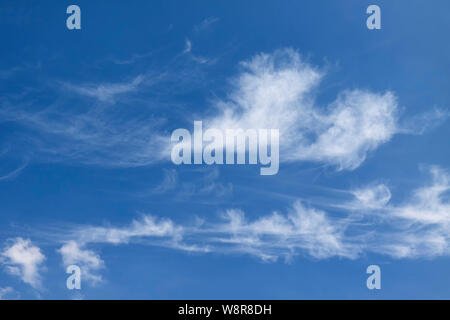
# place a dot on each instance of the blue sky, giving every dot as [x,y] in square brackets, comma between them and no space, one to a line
[86,178]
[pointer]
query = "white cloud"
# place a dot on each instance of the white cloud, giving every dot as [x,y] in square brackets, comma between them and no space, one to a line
[422,223]
[267,237]
[4,292]
[277,235]
[417,227]
[163,231]
[357,123]
[273,91]
[148,226]
[97,136]
[187,46]
[87,260]
[73,252]
[24,260]
[423,122]
[108,91]
[415,243]
[428,205]
[371,197]
[206,23]
[277,91]
[196,58]
[14,173]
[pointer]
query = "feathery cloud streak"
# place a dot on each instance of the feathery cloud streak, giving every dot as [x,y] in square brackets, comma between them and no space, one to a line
[274,90]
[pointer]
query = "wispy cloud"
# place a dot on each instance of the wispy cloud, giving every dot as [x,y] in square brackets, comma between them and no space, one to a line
[106,92]
[162,231]
[207,188]
[423,222]
[268,237]
[87,260]
[5,292]
[148,226]
[275,235]
[12,71]
[24,260]
[134,58]
[206,23]
[428,204]
[371,197]
[417,227]
[423,122]
[196,58]
[425,216]
[278,91]
[94,134]
[187,46]
[112,124]
[169,183]
[274,90]
[14,173]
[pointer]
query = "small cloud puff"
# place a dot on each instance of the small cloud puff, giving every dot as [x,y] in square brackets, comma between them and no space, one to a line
[24,260]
